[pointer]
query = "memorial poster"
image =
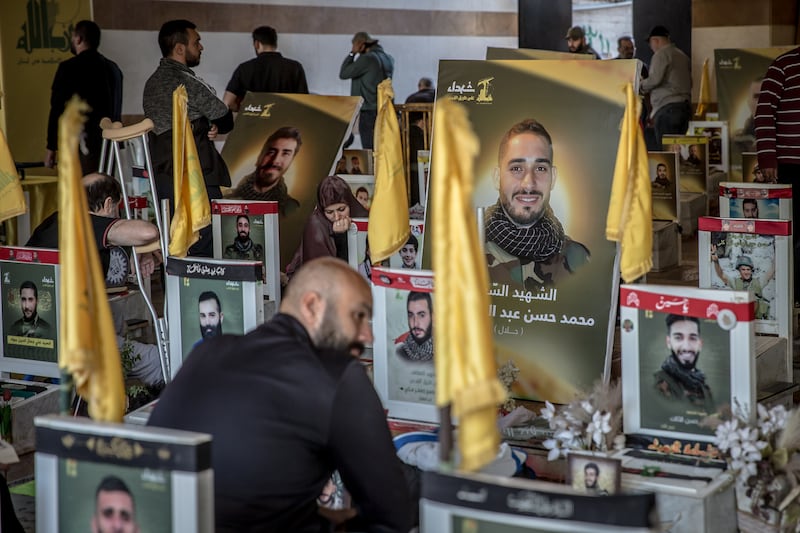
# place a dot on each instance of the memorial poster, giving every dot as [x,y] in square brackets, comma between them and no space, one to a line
[755,200]
[664,185]
[738,73]
[363,188]
[552,283]
[686,355]
[692,153]
[322,122]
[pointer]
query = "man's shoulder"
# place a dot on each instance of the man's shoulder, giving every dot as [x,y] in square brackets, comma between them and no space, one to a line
[575,254]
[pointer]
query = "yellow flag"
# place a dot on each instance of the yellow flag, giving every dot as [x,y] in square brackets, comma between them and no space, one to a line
[388,216]
[704,95]
[12,201]
[88,340]
[466,372]
[192,208]
[630,220]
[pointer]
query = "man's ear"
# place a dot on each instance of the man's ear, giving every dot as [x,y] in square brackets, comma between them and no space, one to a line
[554,177]
[312,307]
[108,205]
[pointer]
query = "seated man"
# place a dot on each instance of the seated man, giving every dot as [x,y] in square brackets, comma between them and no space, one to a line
[111,233]
[293,405]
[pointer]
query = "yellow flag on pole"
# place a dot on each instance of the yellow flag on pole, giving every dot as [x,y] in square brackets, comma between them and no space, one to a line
[12,200]
[704,95]
[466,372]
[192,208]
[88,340]
[388,216]
[630,219]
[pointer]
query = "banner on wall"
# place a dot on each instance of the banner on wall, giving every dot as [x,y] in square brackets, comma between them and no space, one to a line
[739,72]
[552,285]
[34,38]
[322,124]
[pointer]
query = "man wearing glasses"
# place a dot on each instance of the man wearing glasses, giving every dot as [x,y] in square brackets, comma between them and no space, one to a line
[525,242]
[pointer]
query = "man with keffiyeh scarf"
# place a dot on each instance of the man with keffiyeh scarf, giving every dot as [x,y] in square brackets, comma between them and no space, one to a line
[525,242]
[679,378]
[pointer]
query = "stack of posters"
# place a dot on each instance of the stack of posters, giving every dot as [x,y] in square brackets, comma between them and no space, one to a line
[322,123]
[553,302]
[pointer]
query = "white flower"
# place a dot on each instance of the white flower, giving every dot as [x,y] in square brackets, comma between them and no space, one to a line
[587,406]
[553,446]
[548,412]
[727,434]
[599,426]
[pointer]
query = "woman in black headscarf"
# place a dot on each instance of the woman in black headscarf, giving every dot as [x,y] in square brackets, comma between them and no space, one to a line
[325,234]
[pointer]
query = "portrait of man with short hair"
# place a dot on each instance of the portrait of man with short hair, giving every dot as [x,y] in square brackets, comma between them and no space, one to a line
[417,344]
[243,246]
[594,475]
[30,324]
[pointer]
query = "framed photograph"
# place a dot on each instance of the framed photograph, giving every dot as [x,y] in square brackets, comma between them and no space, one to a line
[402,322]
[410,255]
[750,255]
[90,474]
[716,131]
[755,200]
[209,297]
[359,162]
[594,475]
[29,291]
[664,185]
[363,187]
[692,153]
[249,231]
[686,354]
[475,503]
[423,171]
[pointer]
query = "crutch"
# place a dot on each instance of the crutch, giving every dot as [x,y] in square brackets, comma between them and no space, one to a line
[115,136]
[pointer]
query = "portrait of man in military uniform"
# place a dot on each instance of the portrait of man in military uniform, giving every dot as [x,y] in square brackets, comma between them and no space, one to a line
[30,324]
[243,246]
[746,280]
[526,245]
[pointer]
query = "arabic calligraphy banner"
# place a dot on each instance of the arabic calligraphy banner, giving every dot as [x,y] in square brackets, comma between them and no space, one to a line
[34,39]
[669,331]
[553,317]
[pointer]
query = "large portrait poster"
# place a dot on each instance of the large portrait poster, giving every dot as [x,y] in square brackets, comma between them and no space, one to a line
[664,185]
[686,355]
[323,123]
[403,350]
[739,72]
[552,271]
[29,292]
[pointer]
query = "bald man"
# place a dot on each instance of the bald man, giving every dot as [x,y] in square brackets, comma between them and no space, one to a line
[293,404]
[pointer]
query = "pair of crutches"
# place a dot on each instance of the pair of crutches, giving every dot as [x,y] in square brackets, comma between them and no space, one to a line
[114,135]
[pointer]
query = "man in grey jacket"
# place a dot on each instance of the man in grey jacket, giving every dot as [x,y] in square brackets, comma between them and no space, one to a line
[669,84]
[366,65]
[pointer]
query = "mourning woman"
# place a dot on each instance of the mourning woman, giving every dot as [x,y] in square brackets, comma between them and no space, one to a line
[325,234]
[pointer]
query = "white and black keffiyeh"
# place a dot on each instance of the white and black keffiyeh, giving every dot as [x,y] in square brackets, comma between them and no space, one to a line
[538,242]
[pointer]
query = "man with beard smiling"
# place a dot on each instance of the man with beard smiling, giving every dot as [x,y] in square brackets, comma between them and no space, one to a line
[417,344]
[679,378]
[525,242]
[267,183]
[211,316]
[243,246]
[295,405]
[30,325]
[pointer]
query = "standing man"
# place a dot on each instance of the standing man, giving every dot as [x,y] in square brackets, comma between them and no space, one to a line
[181,49]
[366,71]
[95,79]
[777,131]
[526,246]
[625,47]
[114,507]
[211,316]
[576,42]
[243,246]
[267,183]
[30,324]
[679,378]
[417,344]
[269,72]
[669,84]
[268,478]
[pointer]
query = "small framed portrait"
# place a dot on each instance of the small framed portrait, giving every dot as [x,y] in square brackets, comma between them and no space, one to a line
[692,153]
[594,475]
[686,355]
[358,162]
[664,185]
[716,131]
[363,188]
[755,200]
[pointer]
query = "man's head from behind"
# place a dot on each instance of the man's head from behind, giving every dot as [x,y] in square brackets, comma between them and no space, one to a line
[28,300]
[683,340]
[625,47]
[750,208]
[590,474]
[277,155]
[243,228]
[103,194]
[334,304]
[424,83]
[266,36]
[408,253]
[85,36]
[211,316]
[114,508]
[179,40]
[420,316]
[525,172]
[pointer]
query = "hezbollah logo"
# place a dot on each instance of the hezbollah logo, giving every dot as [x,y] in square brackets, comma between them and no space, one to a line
[484,91]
